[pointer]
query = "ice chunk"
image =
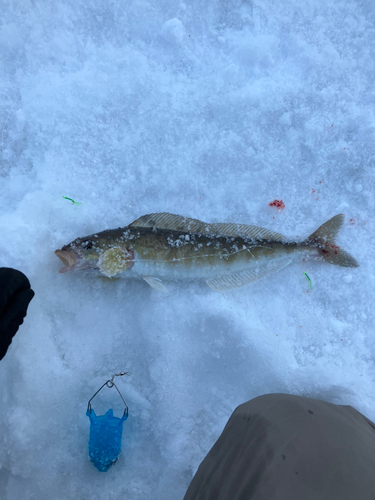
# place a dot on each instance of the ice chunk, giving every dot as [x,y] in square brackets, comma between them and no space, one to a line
[173,31]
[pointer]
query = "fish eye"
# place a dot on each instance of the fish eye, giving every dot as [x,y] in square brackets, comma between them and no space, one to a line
[87,244]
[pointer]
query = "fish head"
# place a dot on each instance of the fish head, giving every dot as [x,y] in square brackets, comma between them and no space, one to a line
[80,254]
[103,251]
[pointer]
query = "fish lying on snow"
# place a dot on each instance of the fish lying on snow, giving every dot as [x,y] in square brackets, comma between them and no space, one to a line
[164,246]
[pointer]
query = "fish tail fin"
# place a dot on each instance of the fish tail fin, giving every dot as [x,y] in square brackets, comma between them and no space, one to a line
[324,238]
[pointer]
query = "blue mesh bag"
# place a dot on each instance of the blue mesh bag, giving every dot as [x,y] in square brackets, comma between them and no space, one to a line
[105,432]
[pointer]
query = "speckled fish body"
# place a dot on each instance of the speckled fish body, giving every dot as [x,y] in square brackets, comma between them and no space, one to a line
[160,247]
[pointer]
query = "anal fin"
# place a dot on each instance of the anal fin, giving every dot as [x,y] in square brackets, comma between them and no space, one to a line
[237,280]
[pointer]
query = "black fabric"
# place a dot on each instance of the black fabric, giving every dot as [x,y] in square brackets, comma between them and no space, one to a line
[285,447]
[15,296]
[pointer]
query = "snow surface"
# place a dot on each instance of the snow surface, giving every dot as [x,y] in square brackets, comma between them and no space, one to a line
[207,109]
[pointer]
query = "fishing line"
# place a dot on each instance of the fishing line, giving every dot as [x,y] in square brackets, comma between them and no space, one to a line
[202,256]
[49,277]
[185,258]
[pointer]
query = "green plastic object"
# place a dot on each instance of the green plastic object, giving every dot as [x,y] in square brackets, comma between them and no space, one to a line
[105,432]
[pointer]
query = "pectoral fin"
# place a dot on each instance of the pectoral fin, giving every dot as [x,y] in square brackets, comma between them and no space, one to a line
[233,281]
[115,260]
[156,283]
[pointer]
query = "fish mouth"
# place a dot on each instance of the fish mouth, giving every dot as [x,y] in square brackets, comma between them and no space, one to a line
[68,258]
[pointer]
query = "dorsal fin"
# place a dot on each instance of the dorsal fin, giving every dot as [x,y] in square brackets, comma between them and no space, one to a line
[180,223]
[165,220]
[246,231]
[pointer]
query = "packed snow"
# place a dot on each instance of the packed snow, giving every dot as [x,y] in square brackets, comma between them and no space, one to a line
[211,110]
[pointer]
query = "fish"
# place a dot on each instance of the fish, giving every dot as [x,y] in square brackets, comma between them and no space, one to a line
[160,247]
